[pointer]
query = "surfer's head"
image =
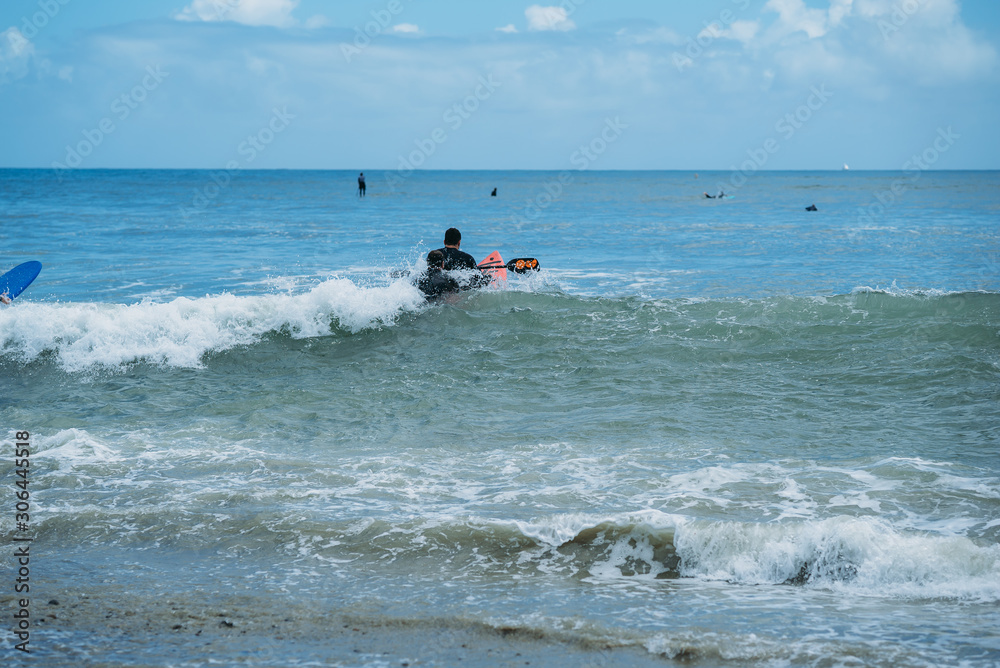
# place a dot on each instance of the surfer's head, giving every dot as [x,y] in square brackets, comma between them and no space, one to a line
[452,237]
[435,259]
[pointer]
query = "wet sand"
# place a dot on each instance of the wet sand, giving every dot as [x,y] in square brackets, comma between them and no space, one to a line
[84,629]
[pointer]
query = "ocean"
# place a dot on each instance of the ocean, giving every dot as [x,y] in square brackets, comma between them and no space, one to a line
[709,432]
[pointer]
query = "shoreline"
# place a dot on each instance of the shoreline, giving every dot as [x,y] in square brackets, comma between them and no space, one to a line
[96,630]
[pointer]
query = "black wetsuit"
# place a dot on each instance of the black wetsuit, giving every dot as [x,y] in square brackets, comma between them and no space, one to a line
[456,260]
[435,283]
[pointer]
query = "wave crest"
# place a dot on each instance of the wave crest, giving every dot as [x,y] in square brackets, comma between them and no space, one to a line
[179,333]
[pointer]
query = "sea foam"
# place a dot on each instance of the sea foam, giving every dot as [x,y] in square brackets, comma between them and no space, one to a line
[862,555]
[180,332]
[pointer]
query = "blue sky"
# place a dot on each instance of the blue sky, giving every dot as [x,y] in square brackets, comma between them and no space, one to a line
[505,84]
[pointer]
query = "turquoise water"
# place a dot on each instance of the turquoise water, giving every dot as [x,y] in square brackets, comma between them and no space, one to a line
[729,431]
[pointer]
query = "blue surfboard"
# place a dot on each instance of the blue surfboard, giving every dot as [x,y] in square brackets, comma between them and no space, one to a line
[17,279]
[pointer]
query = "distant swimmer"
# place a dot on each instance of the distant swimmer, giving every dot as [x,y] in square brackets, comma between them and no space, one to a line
[494,193]
[811,207]
[435,282]
[719,196]
[361,185]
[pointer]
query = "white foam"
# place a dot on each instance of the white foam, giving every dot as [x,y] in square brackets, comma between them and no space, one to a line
[988,488]
[860,500]
[629,553]
[894,290]
[863,555]
[72,448]
[798,503]
[180,332]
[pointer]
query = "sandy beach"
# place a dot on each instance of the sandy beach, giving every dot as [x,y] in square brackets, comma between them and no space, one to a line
[99,630]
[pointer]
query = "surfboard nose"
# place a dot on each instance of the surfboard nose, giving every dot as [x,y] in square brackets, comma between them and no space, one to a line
[20,277]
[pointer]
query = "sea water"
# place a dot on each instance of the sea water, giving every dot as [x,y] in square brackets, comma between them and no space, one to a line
[724,431]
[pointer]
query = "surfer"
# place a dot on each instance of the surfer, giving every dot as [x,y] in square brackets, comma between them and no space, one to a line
[4,299]
[458,260]
[435,282]
[494,193]
[811,207]
[361,185]
[453,257]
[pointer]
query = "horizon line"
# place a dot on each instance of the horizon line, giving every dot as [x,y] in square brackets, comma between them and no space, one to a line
[472,169]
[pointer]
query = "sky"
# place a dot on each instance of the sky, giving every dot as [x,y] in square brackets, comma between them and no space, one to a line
[504,84]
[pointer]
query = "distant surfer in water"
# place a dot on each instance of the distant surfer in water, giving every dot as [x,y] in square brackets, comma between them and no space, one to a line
[719,196]
[361,185]
[811,207]
[494,193]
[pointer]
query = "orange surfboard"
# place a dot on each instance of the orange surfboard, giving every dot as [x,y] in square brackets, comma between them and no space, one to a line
[494,267]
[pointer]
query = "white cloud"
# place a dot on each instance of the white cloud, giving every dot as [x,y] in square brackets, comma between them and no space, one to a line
[924,40]
[317,21]
[406,28]
[548,18]
[929,38]
[656,36]
[712,31]
[510,28]
[794,16]
[16,53]
[276,13]
[743,31]
[839,10]
[739,31]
